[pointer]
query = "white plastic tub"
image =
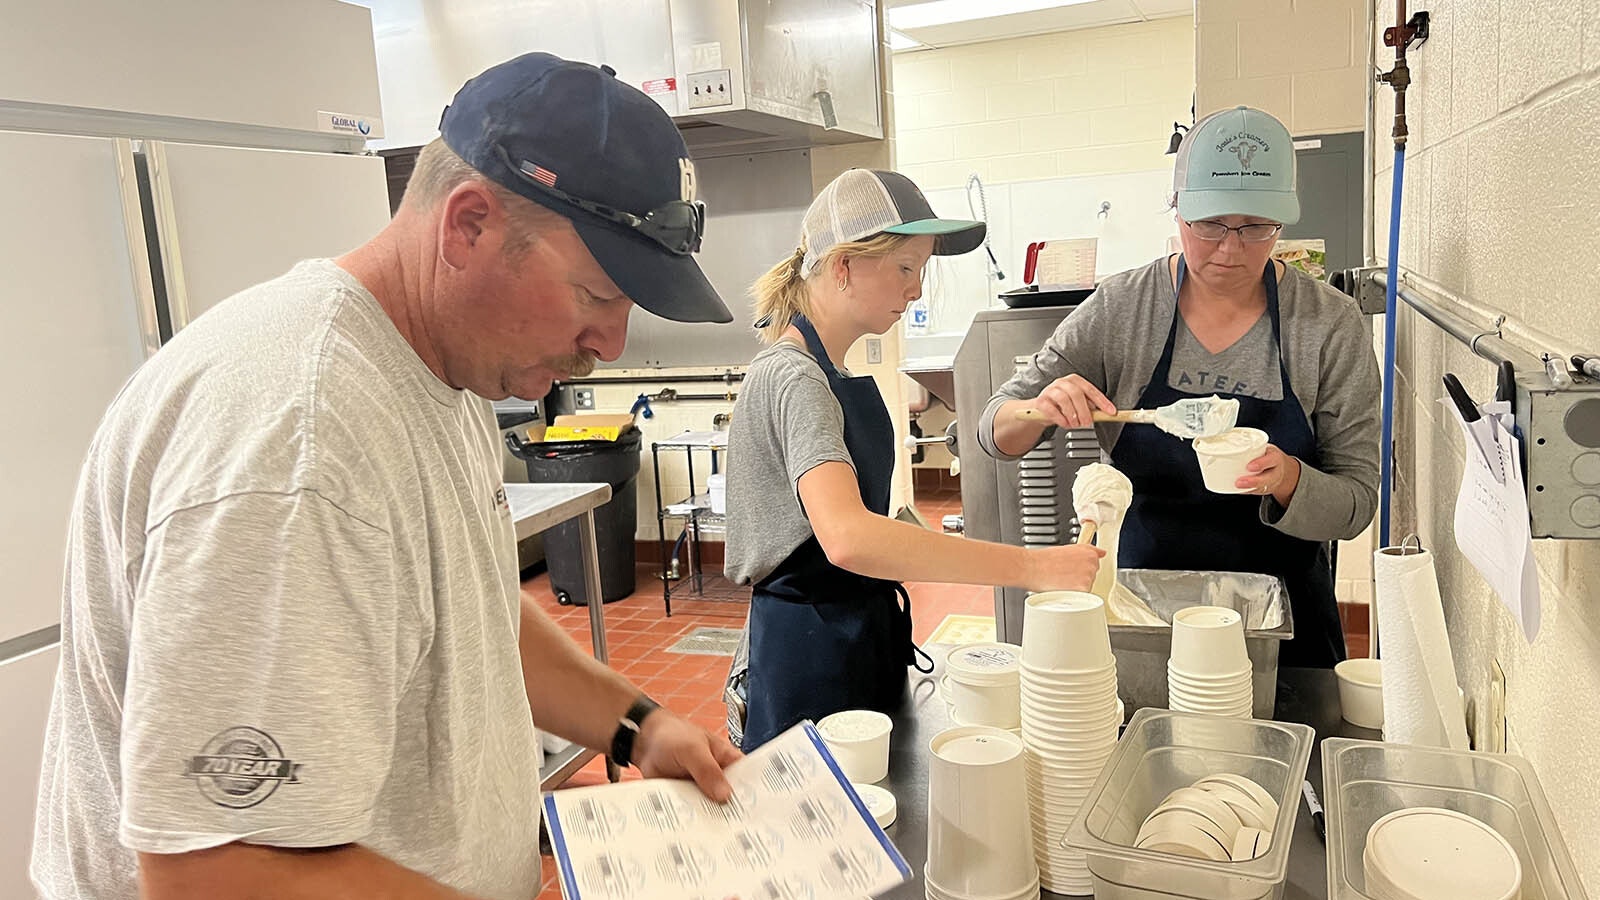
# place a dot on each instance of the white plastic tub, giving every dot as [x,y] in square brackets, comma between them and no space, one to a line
[984,684]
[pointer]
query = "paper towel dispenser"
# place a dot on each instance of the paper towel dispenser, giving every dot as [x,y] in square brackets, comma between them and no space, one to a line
[738,76]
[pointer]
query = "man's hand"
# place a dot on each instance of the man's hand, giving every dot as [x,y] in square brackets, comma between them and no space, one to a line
[668,746]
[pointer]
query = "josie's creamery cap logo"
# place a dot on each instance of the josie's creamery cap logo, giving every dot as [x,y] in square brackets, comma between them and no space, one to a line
[1237,162]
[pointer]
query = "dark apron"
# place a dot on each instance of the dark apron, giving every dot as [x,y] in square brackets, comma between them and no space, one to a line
[1175,523]
[823,639]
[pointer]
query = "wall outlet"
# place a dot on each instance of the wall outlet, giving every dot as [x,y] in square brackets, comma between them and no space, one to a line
[874,351]
[1498,729]
[714,88]
[583,398]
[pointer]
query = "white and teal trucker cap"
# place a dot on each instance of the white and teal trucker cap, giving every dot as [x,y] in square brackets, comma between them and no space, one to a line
[1237,162]
[862,202]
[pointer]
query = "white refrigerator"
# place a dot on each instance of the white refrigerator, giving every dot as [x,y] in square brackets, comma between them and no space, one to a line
[135,194]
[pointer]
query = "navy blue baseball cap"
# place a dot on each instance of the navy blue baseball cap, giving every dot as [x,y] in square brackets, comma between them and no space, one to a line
[572,138]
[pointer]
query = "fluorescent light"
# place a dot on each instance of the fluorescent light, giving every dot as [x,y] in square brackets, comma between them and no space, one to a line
[946,12]
[899,41]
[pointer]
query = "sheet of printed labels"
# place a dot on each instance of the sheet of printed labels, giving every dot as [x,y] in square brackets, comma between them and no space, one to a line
[794,830]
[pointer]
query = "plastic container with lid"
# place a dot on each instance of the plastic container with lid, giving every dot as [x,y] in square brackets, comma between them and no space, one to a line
[859,742]
[984,684]
[1162,751]
[1365,781]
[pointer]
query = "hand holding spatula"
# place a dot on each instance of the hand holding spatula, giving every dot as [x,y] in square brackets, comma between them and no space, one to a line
[1192,417]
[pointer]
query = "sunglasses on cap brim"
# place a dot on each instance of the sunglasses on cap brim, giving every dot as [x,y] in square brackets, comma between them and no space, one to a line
[677,225]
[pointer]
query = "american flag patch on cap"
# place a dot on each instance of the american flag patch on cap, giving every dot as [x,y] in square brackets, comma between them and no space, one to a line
[540,174]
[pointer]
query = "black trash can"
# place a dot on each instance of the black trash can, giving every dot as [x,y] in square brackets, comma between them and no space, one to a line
[615,523]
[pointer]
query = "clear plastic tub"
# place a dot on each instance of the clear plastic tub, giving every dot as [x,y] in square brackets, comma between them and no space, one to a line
[1364,781]
[1162,751]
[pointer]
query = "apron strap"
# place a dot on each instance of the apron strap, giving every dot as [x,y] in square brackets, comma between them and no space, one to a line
[814,344]
[919,656]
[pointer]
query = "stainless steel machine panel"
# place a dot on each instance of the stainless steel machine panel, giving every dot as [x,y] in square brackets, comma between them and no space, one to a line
[1026,502]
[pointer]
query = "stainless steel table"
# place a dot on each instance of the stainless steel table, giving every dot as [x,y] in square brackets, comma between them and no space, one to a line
[539,507]
[1308,696]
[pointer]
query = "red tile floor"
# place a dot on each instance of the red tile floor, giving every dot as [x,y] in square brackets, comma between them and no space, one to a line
[637,635]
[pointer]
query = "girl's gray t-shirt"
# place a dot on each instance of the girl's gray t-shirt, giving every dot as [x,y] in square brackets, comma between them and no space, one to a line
[785,423]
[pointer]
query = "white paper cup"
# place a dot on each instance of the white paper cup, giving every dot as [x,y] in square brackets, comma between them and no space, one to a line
[1208,642]
[1227,680]
[1178,693]
[1224,457]
[1071,687]
[1361,692]
[979,833]
[1231,698]
[859,741]
[1065,632]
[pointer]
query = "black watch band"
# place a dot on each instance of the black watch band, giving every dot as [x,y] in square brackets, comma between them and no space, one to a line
[628,730]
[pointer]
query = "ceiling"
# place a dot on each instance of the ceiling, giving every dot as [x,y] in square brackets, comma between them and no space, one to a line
[1092,14]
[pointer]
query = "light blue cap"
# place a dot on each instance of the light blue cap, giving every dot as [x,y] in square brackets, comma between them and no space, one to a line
[1237,162]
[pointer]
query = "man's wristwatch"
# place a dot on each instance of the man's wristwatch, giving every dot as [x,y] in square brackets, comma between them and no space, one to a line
[628,730]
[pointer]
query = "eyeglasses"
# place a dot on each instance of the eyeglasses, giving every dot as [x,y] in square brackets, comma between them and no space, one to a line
[1254,233]
[676,225]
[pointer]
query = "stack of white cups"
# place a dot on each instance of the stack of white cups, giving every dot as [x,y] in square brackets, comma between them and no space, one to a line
[978,847]
[1209,671]
[1070,717]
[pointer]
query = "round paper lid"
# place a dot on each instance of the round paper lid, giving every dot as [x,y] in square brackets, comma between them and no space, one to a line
[879,802]
[985,664]
[1427,852]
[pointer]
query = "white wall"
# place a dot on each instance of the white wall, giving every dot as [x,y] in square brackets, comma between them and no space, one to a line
[1500,207]
[1089,102]
[1304,61]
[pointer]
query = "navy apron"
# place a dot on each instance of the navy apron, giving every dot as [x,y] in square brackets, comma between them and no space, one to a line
[1175,523]
[823,639]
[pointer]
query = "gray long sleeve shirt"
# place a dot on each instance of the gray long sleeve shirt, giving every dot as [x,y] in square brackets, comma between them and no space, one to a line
[1114,340]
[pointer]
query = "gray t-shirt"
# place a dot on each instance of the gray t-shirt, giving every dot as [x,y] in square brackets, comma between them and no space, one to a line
[1248,367]
[1114,339]
[291,610]
[785,423]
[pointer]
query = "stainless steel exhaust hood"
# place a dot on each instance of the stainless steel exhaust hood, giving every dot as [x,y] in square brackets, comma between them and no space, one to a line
[737,75]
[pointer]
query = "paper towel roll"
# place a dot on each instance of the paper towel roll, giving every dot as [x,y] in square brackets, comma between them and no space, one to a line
[1421,704]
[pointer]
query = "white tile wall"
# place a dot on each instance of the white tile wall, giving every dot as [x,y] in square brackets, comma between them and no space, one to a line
[1501,204]
[1304,61]
[1071,103]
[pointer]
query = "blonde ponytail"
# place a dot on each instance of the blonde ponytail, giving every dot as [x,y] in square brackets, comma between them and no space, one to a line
[780,295]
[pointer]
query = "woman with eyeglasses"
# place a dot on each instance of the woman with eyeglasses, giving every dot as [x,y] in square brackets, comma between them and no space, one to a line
[811,450]
[1221,318]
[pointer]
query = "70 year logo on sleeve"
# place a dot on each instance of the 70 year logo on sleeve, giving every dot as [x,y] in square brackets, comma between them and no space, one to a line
[240,768]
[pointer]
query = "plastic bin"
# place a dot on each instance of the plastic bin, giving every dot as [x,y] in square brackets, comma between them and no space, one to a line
[615,523]
[1142,651]
[1162,751]
[1364,781]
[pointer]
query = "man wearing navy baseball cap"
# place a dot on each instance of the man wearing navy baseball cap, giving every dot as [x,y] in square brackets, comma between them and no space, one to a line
[295,652]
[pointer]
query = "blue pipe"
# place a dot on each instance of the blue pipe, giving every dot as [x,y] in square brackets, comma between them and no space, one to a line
[1386,448]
